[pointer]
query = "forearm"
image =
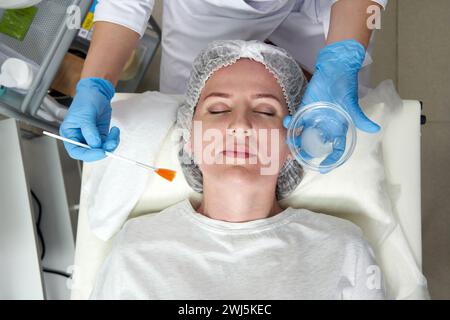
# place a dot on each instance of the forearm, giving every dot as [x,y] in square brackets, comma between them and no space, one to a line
[349,21]
[110,48]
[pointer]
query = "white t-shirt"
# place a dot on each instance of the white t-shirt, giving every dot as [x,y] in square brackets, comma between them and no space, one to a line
[296,254]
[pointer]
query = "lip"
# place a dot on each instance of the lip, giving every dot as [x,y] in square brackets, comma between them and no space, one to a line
[236,154]
[239,151]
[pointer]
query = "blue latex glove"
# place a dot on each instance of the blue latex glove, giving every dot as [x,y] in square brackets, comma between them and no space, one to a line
[336,80]
[88,119]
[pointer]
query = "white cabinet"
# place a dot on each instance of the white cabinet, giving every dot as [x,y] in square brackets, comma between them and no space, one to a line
[25,165]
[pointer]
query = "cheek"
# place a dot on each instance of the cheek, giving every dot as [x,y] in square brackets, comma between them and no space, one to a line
[275,137]
[280,145]
[206,139]
[283,147]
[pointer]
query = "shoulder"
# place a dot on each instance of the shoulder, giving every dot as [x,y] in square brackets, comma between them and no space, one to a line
[328,225]
[341,238]
[152,225]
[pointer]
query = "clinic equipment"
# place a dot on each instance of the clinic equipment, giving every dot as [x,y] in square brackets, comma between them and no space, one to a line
[48,40]
[165,173]
[16,74]
[316,131]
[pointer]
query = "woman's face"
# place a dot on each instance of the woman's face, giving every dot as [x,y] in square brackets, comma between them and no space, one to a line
[237,130]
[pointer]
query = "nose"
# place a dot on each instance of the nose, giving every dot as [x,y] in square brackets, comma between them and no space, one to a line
[240,126]
[240,132]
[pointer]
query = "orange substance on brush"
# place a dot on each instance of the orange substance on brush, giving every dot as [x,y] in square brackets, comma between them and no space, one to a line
[166,173]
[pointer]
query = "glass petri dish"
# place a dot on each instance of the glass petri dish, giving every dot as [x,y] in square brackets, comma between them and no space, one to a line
[312,133]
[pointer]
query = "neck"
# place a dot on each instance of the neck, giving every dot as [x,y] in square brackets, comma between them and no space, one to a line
[238,203]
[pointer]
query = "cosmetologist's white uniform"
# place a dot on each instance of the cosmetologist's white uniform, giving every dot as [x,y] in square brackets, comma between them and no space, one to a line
[299,26]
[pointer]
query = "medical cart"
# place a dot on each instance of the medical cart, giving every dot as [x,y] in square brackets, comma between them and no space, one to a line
[54,31]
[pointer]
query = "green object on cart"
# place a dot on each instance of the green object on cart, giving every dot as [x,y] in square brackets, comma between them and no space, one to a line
[2,90]
[16,22]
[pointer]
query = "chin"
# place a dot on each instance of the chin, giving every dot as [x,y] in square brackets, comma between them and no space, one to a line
[237,174]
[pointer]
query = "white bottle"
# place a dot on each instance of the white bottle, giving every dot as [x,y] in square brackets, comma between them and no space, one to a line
[16,74]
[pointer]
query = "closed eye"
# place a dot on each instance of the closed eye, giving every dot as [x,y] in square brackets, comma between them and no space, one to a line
[217,112]
[265,109]
[218,108]
[267,113]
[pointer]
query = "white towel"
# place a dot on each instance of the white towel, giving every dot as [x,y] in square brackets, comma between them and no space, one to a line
[115,186]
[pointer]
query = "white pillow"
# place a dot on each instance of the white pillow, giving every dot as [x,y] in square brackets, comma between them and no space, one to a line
[114,186]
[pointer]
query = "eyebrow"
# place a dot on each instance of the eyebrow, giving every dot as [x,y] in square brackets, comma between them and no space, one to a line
[218,94]
[255,96]
[266,95]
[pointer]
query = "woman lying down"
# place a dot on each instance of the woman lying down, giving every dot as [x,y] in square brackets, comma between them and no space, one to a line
[239,243]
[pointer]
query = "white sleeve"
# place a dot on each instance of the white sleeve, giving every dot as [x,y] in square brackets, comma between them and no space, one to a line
[369,281]
[382,3]
[131,14]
